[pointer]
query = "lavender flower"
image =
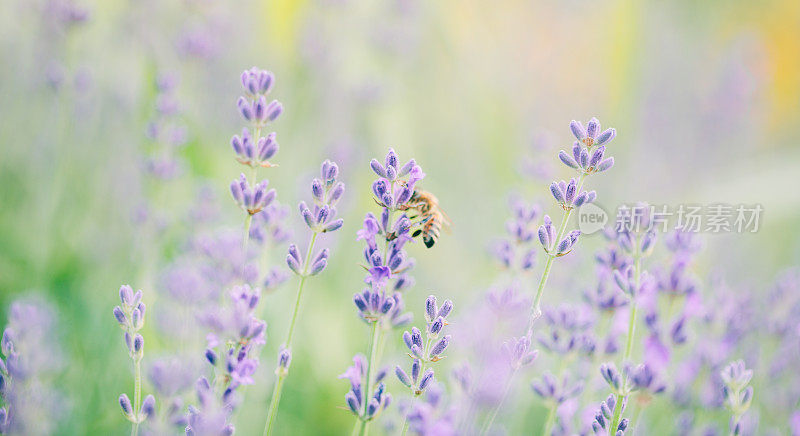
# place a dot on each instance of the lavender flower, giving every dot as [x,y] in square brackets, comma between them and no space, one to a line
[252,199]
[738,395]
[171,377]
[603,419]
[516,252]
[432,416]
[326,192]
[550,242]
[256,151]
[519,353]
[165,130]
[211,418]
[130,317]
[424,352]
[232,346]
[567,195]
[555,391]
[269,224]
[30,404]
[569,331]
[363,404]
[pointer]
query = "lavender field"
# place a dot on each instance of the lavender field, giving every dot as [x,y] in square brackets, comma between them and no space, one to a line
[401,217]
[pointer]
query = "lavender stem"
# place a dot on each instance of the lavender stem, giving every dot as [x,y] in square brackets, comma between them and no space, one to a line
[276,394]
[551,419]
[405,418]
[496,408]
[137,394]
[536,308]
[637,262]
[249,219]
[370,367]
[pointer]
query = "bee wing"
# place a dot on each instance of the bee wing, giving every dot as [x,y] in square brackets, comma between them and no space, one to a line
[446,221]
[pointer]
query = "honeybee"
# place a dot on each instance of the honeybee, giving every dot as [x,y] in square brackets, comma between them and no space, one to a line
[431,218]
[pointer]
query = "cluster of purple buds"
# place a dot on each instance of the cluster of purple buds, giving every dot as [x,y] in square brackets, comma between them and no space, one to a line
[147,410]
[165,130]
[612,258]
[515,251]
[603,417]
[32,358]
[632,379]
[738,395]
[211,418]
[552,390]
[395,184]
[627,281]
[171,378]
[393,190]
[568,331]
[327,192]
[519,353]
[381,267]
[236,331]
[130,316]
[374,304]
[567,195]
[605,298]
[315,265]
[253,105]
[270,223]
[377,402]
[547,237]
[643,378]
[583,158]
[432,416]
[252,199]
[255,152]
[428,351]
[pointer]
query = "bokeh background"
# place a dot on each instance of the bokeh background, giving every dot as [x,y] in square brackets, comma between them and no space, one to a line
[705,97]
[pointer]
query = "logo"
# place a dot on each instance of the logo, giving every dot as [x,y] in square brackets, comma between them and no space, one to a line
[591,218]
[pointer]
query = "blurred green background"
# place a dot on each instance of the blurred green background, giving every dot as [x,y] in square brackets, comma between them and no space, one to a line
[705,97]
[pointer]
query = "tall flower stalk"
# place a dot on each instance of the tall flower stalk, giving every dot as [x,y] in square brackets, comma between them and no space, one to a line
[380,304]
[636,236]
[30,364]
[424,353]
[738,395]
[587,158]
[252,149]
[326,192]
[130,316]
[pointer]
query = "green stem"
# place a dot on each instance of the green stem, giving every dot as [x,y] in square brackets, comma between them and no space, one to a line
[373,348]
[249,219]
[405,418]
[137,394]
[637,262]
[536,307]
[488,424]
[276,393]
[551,419]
